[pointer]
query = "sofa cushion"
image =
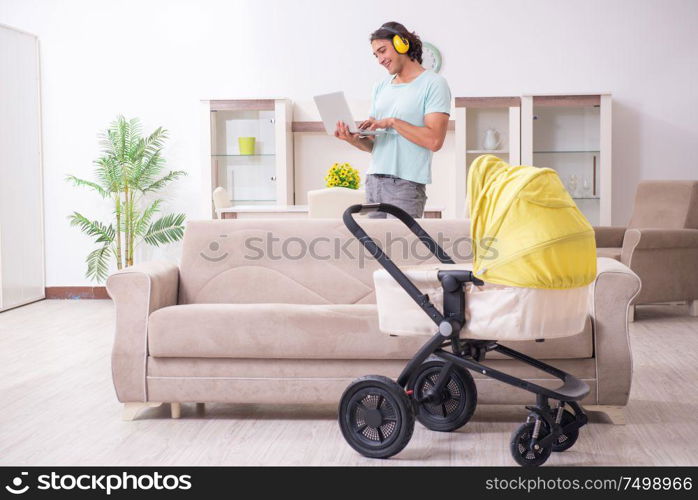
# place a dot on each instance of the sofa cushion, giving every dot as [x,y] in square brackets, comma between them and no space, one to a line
[610,252]
[305,331]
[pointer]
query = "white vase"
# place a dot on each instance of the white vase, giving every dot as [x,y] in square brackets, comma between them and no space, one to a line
[492,139]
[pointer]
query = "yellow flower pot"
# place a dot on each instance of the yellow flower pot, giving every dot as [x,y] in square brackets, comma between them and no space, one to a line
[246,145]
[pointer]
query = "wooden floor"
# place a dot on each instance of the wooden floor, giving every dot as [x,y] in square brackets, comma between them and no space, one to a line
[59,408]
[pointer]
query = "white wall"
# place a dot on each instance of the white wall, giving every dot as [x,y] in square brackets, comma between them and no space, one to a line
[155,59]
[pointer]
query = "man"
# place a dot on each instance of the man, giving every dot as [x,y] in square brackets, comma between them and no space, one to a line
[413,105]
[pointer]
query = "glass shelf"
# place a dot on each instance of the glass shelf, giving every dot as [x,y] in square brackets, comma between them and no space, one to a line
[240,156]
[577,151]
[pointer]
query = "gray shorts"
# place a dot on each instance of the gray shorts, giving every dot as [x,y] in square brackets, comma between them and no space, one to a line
[409,196]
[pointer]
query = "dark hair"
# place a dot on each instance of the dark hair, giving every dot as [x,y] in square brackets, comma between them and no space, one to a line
[415,52]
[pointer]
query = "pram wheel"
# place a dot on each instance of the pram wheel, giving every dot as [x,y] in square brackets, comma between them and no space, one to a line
[376,416]
[520,445]
[566,441]
[453,407]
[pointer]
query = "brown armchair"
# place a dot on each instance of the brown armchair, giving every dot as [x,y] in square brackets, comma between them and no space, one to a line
[660,243]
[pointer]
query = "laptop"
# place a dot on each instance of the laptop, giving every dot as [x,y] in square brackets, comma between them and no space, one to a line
[334,108]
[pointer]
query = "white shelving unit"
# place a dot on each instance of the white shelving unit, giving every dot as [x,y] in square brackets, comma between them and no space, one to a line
[568,133]
[572,134]
[262,178]
[474,116]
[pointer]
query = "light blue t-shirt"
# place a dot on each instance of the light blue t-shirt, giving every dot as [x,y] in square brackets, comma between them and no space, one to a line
[393,154]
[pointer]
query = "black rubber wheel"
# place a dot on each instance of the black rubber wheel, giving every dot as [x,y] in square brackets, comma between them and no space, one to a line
[567,440]
[520,446]
[451,409]
[376,416]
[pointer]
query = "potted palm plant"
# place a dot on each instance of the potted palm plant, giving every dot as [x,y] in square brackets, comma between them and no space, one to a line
[129,173]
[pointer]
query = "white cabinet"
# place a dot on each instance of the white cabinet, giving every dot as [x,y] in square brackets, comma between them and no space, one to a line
[568,133]
[484,125]
[21,197]
[259,174]
[572,135]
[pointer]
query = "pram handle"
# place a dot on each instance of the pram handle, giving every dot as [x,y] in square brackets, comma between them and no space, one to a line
[421,299]
[406,219]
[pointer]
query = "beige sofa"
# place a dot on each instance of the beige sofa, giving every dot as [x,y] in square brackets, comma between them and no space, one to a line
[264,311]
[660,243]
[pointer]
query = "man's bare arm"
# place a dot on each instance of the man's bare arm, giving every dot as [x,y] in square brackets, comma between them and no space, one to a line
[430,136]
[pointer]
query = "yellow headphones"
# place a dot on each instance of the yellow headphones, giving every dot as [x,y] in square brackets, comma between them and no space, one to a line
[401,44]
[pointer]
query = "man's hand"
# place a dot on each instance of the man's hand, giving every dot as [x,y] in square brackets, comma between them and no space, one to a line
[363,143]
[342,132]
[373,124]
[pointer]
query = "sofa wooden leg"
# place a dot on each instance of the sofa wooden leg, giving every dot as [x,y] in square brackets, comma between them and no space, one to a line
[631,314]
[693,307]
[176,410]
[615,413]
[132,409]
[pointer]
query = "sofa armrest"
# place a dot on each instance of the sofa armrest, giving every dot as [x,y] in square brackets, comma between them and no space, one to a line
[614,290]
[666,260]
[609,236]
[137,291]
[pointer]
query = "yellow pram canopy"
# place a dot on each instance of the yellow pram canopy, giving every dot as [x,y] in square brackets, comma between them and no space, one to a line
[525,228]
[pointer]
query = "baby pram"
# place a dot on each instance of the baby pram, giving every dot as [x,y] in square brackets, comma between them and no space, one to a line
[534,258]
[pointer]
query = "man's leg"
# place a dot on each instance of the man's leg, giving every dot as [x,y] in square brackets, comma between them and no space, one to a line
[373,193]
[409,196]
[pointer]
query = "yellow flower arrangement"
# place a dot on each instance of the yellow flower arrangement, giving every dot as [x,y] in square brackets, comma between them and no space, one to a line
[342,175]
